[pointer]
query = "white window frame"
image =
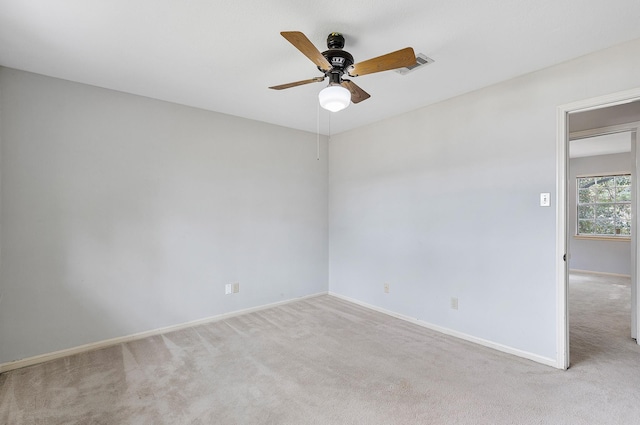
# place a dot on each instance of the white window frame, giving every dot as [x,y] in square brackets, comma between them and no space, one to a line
[615,237]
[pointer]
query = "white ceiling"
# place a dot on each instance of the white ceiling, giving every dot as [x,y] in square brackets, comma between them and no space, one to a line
[221,55]
[600,145]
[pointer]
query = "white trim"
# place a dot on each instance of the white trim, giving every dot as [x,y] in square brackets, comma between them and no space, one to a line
[562,139]
[562,252]
[486,343]
[612,129]
[611,99]
[29,361]
[602,238]
[616,173]
[635,301]
[600,273]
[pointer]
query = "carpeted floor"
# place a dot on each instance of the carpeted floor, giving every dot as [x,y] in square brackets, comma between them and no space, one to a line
[326,361]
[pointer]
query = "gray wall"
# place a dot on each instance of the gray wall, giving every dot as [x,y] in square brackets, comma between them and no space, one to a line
[597,255]
[122,214]
[442,202]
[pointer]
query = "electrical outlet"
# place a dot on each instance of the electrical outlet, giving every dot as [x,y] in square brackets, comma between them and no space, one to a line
[236,287]
[454,303]
[386,287]
[227,289]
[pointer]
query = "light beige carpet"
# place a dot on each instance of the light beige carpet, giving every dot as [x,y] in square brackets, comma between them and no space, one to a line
[326,361]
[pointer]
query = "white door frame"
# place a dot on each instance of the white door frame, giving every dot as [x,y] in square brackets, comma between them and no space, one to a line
[562,245]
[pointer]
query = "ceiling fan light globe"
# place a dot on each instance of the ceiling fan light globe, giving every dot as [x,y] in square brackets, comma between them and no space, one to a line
[334,98]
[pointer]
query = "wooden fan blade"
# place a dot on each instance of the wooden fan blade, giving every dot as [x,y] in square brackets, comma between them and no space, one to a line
[302,43]
[298,83]
[357,94]
[398,59]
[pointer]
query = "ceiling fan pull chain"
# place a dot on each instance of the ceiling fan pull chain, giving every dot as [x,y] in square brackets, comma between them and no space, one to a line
[329,133]
[318,131]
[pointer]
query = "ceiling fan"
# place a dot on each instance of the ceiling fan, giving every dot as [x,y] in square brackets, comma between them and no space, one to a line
[336,63]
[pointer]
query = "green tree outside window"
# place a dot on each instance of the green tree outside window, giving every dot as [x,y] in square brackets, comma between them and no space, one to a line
[604,205]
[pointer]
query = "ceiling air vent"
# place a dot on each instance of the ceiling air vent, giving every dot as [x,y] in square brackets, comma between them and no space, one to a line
[421,60]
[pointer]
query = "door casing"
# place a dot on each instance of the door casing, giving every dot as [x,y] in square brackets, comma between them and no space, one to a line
[562,241]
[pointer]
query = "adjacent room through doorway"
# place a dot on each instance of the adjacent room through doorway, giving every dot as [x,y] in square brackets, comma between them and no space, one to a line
[601,238]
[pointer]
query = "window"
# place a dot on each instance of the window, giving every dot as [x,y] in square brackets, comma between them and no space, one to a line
[604,205]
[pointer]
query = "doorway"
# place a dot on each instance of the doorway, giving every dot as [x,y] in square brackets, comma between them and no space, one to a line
[599,232]
[605,115]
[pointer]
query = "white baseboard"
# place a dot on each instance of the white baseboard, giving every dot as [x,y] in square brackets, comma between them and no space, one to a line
[486,343]
[29,361]
[599,273]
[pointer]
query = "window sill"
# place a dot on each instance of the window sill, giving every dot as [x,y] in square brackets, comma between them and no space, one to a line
[604,238]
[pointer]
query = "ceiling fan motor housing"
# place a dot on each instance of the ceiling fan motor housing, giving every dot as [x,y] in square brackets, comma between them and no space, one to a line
[335,40]
[339,59]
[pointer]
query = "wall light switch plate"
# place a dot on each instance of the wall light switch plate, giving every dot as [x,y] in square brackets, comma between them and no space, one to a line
[227,289]
[545,199]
